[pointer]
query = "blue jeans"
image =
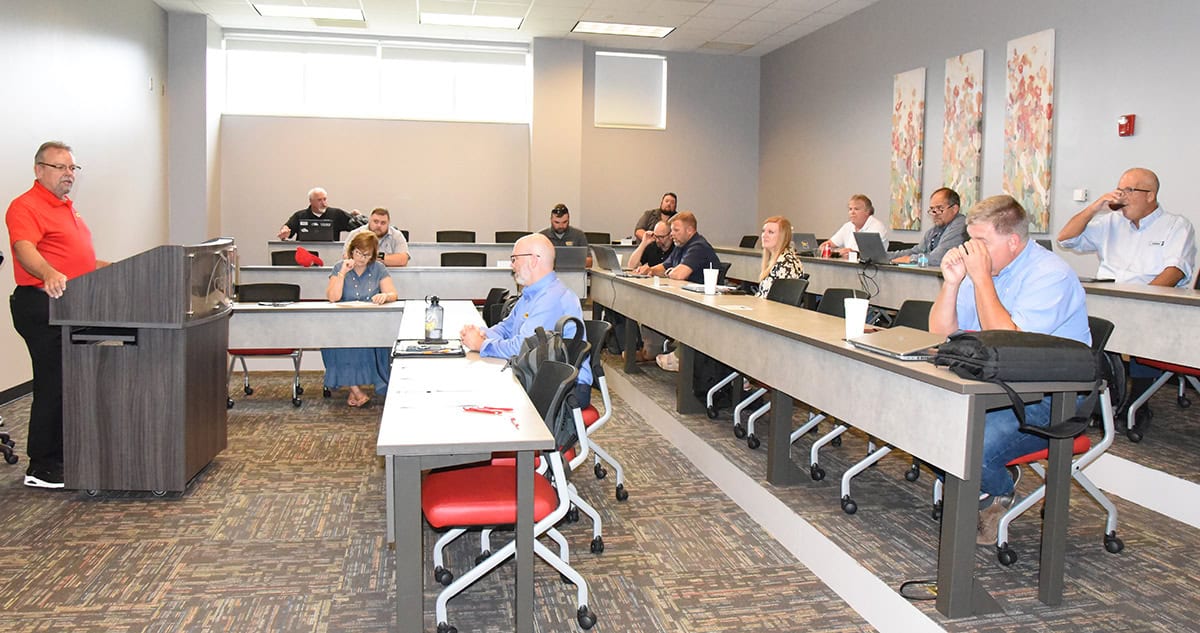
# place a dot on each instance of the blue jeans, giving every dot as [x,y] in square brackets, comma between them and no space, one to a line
[1003,442]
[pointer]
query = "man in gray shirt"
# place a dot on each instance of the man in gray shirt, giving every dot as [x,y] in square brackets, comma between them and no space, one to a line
[949,230]
[393,248]
[664,213]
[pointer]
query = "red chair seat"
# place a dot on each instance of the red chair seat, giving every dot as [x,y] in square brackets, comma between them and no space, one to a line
[1171,367]
[590,415]
[266,351]
[1082,444]
[480,495]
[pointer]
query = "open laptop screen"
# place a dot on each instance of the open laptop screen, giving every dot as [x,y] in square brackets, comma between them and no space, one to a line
[317,230]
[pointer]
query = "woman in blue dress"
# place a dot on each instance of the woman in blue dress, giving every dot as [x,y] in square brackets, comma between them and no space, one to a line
[360,277]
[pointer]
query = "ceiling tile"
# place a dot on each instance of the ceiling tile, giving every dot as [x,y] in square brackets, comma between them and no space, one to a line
[727,11]
[846,7]
[801,5]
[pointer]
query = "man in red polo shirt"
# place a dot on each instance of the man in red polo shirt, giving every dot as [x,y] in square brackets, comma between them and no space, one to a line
[50,245]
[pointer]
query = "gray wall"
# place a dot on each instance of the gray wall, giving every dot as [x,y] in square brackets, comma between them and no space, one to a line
[825,120]
[81,72]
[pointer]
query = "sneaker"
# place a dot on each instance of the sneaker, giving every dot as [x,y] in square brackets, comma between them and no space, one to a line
[989,520]
[668,362]
[44,478]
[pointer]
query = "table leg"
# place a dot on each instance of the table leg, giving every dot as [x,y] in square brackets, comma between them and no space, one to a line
[629,344]
[406,519]
[1058,498]
[524,536]
[685,399]
[780,468]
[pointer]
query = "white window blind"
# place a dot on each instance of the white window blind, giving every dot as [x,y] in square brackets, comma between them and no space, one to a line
[631,90]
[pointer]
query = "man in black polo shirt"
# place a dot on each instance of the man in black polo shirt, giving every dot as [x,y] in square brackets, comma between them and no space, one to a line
[318,208]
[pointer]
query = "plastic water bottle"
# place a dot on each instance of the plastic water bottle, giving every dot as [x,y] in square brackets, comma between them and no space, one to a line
[922,260]
[433,319]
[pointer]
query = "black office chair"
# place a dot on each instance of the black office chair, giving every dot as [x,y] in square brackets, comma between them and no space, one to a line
[273,292]
[493,305]
[748,241]
[405,233]
[507,237]
[287,258]
[464,259]
[7,445]
[1046,244]
[456,236]
[596,237]
[724,268]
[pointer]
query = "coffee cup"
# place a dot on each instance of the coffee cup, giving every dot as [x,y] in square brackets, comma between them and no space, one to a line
[856,317]
[710,280]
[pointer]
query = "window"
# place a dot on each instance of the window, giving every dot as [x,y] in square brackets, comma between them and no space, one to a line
[631,90]
[290,76]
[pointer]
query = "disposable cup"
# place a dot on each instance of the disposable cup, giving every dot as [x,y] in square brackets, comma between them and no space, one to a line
[710,281]
[856,317]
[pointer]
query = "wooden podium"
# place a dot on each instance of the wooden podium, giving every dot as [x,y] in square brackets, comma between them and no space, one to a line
[144,348]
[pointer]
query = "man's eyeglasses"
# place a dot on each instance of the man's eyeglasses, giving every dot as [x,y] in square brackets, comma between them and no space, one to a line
[1128,190]
[940,209]
[661,237]
[512,259]
[59,166]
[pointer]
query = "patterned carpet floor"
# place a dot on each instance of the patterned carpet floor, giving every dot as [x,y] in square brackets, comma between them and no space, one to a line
[284,531]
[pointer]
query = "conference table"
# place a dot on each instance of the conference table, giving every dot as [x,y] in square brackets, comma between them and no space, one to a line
[412,282]
[424,426]
[916,407]
[314,324]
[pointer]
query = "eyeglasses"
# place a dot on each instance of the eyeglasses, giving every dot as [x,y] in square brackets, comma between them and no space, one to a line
[358,253]
[512,259]
[59,166]
[1128,190]
[940,209]
[661,237]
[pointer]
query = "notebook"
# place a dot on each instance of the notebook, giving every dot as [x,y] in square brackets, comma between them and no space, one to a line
[318,230]
[901,343]
[870,248]
[606,258]
[806,243]
[406,348]
[570,258]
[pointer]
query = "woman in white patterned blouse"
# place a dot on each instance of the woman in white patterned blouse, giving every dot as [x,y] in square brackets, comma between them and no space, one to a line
[779,258]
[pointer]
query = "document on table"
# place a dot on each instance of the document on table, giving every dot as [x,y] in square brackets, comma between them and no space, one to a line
[736,307]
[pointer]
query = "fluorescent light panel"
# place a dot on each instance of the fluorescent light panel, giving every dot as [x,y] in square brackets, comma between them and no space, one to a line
[610,28]
[461,19]
[316,13]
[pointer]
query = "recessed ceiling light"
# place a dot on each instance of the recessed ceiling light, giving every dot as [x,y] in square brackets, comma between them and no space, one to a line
[461,19]
[316,13]
[609,28]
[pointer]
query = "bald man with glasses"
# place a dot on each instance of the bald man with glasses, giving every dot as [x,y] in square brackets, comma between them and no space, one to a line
[1136,240]
[949,230]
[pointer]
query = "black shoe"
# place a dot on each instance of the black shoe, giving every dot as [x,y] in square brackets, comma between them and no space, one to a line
[44,477]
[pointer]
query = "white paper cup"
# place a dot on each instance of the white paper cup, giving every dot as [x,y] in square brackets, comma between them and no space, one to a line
[856,317]
[710,280]
[852,257]
[657,283]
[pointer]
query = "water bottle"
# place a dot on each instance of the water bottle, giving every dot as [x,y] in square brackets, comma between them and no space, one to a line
[433,319]
[922,260]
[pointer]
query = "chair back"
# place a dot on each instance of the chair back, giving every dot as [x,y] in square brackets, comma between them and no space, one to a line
[456,258]
[788,291]
[596,237]
[248,293]
[404,232]
[597,333]
[287,258]
[833,300]
[914,313]
[724,268]
[1046,244]
[748,241]
[551,384]
[493,304]
[507,237]
[1101,329]
[455,236]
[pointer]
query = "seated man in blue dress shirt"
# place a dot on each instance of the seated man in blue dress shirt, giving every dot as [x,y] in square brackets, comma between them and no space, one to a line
[544,300]
[1001,280]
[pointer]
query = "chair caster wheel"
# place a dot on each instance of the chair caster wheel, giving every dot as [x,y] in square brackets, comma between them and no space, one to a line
[937,511]
[443,576]
[326,393]
[837,441]
[586,618]
[598,545]
[912,474]
[299,390]
[1134,435]
[816,472]
[1183,402]
[11,458]
[752,441]
[573,515]
[600,471]
[739,431]
[248,390]
[295,402]
[848,505]
[622,493]
[1006,555]
[228,403]
[711,412]
[92,492]
[482,556]
[1113,544]
[446,628]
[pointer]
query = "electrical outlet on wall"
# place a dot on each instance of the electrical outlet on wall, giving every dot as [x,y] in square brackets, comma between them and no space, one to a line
[1079,195]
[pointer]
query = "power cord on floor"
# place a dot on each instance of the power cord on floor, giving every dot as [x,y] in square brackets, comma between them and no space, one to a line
[919,589]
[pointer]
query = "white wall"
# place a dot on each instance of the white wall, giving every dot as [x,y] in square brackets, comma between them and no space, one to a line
[825,122]
[80,72]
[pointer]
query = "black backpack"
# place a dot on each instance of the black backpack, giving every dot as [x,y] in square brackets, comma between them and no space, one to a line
[545,346]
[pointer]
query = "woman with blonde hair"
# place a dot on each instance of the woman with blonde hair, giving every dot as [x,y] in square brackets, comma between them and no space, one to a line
[779,259]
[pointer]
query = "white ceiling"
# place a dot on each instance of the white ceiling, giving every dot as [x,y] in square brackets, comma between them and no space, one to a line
[747,27]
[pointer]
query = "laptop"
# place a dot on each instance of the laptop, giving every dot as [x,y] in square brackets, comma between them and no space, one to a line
[900,343]
[607,259]
[568,258]
[318,230]
[870,248]
[806,243]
